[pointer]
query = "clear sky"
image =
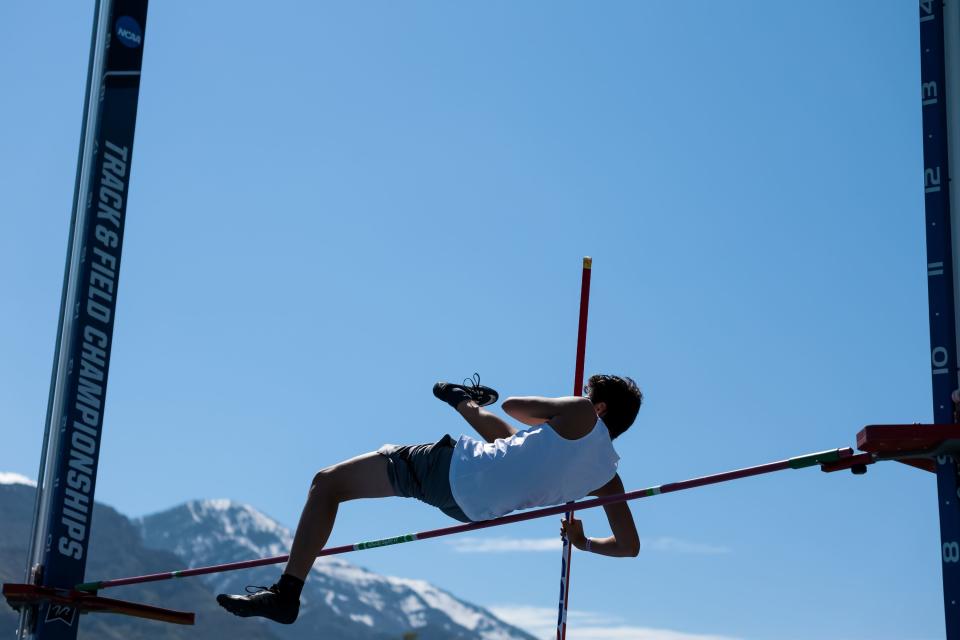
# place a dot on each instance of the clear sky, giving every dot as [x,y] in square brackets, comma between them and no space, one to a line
[334,205]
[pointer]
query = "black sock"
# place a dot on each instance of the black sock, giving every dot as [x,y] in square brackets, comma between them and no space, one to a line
[290,586]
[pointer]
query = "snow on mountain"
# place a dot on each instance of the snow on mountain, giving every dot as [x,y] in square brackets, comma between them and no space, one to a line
[340,598]
[204,530]
[8,477]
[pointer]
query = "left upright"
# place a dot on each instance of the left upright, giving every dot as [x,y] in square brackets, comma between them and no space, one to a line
[68,464]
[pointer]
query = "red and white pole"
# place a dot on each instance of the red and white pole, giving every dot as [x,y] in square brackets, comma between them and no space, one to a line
[577,390]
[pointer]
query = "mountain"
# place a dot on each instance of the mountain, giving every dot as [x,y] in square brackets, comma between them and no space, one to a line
[340,600]
[16,513]
[116,549]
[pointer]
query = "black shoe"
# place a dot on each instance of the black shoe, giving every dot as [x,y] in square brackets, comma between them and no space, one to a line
[471,389]
[264,602]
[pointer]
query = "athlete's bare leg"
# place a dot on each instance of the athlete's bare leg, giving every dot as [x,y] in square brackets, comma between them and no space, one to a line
[362,477]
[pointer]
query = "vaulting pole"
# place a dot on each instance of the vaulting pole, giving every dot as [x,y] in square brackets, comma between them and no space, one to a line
[798,462]
[577,390]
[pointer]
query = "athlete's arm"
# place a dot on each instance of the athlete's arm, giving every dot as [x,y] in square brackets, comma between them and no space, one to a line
[569,416]
[625,541]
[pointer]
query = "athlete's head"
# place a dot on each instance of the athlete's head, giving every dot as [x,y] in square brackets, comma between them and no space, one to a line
[621,398]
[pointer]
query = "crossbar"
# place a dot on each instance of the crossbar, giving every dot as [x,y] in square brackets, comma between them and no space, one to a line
[798,462]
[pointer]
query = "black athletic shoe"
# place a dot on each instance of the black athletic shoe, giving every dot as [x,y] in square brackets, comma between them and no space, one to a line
[263,602]
[471,389]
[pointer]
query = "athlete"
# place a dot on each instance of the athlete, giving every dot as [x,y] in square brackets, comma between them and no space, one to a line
[564,454]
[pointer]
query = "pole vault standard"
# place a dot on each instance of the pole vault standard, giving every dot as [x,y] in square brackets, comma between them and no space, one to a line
[577,390]
[940,97]
[67,477]
[798,462]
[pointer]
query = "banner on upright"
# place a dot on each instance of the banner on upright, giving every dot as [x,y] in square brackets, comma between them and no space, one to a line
[68,468]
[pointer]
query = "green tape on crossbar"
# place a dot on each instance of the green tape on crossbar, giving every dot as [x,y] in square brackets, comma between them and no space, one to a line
[88,586]
[360,546]
[812,459]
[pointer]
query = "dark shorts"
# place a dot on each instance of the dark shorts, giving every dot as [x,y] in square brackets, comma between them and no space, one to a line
[422,471]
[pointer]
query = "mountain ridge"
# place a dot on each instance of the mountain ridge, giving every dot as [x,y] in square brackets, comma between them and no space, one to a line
[340,599]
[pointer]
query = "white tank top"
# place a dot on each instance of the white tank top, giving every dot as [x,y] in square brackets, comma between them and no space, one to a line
[535,467]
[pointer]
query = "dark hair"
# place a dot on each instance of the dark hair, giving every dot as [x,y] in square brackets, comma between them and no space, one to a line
[623,399]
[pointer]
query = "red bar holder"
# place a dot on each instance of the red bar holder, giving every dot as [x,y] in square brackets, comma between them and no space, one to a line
[916,445]
[69,602]
[892,439]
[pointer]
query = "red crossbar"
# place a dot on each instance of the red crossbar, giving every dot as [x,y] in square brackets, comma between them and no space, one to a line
[798,462]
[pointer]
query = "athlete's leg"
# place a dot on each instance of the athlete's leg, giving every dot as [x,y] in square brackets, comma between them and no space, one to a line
[361,477]
[488,425]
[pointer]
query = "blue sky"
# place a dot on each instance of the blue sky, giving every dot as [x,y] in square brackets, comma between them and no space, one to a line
[334,205]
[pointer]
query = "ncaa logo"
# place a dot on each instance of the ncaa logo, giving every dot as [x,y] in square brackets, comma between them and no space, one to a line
[129,32]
